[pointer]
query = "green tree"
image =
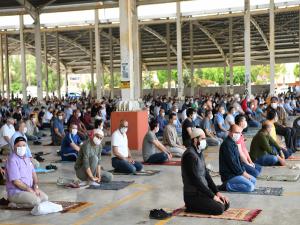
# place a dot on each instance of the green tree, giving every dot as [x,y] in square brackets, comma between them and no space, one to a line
[297,71]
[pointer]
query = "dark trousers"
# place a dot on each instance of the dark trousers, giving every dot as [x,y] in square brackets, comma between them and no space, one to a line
[202,204]
[289,135]
[124,166]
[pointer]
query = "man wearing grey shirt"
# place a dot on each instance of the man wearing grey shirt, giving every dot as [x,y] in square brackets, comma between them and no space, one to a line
[170,137]
[151,144]
[88,163]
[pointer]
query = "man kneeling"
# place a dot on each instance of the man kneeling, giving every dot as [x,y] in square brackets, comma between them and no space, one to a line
[88,163]
[200,192]
[22,183]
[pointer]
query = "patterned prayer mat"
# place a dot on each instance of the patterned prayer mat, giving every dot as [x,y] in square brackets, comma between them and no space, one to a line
[113,185]
[231,214]
[295,158]
[288,178]
[138,173]
[168,163]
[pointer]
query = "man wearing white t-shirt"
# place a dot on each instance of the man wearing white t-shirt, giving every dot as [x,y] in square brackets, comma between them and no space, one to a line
[121,157]
[6,132]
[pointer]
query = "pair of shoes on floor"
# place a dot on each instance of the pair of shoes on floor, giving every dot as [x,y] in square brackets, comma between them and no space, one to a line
[37,143]
[159,214]
[93,183]
[51,167]
[39,158]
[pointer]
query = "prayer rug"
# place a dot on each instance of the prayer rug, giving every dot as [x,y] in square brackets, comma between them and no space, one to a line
[113,185]
[295,158]
[168,163]
[231,214]
[263,191]
[68,207]
[289,178]
[43,170]
[138,173]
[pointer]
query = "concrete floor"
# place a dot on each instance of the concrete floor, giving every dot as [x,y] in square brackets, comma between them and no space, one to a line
[132,205]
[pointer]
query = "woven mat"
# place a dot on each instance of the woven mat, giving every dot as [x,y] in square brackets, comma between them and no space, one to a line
[231,214]
[168,163]
[138,173]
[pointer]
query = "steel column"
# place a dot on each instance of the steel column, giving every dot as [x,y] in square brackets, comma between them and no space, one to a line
[247,47]
[58,66]
[272,47]
[92,64]
[168,60]
[179,50]
[38,57]
[99,74]
[23,59]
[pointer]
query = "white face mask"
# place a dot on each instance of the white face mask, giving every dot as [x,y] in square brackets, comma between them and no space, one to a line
[79,114]
[245,125]
[25,130]
[156,129]
[211,117]
[194,117]
[60,117]
[74,131]
[174,122]
[274,105]
[124,130]
[236,137]
[202,145]
[163,114]
[176,110]
[97,141]
[21,151]
[223,111]
[97,117]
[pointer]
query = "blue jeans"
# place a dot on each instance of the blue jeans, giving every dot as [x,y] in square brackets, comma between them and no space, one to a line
[124,166]
[253,171]
[267,160]
[158,158]
[241,184]
[222,134]
[253,123]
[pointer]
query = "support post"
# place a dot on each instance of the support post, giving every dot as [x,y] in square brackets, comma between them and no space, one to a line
[66,81]
[272,47]
[179,50]
[192,58]
[92,64]
[58,66]
[1,66]
[7,68]
[247,47]
[23,60]
[168,60]
[225,78]
[231,54]
[99,74]
[46,65]
[38,57]
[111,63]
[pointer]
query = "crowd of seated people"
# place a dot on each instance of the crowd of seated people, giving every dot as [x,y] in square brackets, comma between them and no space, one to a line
[186,127]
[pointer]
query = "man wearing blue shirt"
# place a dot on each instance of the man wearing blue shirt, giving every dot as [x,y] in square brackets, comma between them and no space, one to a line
[71,144]
[233,173]
[162,122]
[57,129]
[220,127]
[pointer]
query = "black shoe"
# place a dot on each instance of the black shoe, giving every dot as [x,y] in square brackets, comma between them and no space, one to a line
[222,187]
[159,214]
[39,158]
[51,167]
[4,201]
[37,143]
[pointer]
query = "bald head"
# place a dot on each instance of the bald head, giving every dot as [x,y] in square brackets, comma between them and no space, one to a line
[267,126]
[235,129]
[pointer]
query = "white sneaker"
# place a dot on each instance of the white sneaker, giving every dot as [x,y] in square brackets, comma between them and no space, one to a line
[93,183]
[83,183]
